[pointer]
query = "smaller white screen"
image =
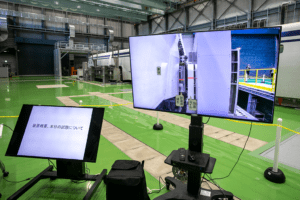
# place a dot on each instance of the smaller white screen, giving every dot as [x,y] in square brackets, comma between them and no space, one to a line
[56,132]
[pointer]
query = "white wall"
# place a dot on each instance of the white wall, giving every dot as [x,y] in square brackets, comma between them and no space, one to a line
[128,29]
[30,22]
[94,29]
[147,53]
[288,82]
[116,25]
[213,72]
[144,29]
[158,28]
[173,24]
[201,19]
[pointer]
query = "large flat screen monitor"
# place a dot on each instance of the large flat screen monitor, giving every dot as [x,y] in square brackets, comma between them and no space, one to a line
[70,133]
[229,74]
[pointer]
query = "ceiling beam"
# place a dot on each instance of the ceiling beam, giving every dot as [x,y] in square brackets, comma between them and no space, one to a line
[132,6]
[149,3]
[83,8]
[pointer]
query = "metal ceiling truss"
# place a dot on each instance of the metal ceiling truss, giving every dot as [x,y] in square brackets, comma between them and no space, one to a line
[132,6]
[111,6]
[231,4]
[242,20]
[201,12]
[176,20]
[158,4]
[158,24]
[34,16]
[261,5]
[76,6]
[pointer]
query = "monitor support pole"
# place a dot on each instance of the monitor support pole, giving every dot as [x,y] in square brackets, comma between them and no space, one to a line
[192,191]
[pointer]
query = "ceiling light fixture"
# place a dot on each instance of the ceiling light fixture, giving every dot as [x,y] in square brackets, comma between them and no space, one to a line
[56,2]
[78,6]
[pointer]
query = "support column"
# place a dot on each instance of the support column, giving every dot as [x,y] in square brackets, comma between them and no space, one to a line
[249,102]
[105,33]
[187,18]
[87,26]
[282,13]
[43,25]
[150,25]
[214,15]
[167,22]
[66,27]
[15,20]
[121,33]
[136,29]
[87,29]
[17,61]
[250,16]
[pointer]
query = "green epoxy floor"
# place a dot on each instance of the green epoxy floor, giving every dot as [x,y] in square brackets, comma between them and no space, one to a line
[290,116]
[245,182]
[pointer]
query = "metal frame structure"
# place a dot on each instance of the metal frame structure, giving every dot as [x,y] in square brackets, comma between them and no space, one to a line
[77,48]
[247,17]
[128,10]
[49,173]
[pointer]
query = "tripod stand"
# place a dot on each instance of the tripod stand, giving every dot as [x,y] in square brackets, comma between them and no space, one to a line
[5,173]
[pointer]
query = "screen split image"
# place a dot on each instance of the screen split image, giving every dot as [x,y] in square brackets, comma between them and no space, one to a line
[228,74]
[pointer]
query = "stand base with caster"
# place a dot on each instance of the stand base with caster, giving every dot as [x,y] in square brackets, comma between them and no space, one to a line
[48,173]
[158,127]
[195,162]
[275,177]
[180,192]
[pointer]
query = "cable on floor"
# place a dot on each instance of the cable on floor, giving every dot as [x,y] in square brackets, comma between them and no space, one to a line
[238,157]
[156,190]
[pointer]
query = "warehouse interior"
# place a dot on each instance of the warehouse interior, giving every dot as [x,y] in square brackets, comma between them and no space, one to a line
[76,53]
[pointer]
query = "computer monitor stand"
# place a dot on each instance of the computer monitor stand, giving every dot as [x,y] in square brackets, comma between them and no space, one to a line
[202,163]
[66,169]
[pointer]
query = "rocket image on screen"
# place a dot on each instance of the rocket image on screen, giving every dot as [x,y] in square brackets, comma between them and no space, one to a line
[215,73]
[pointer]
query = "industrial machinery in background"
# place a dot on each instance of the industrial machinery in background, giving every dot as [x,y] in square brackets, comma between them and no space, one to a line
[88,71]
[104,74]
[112,67]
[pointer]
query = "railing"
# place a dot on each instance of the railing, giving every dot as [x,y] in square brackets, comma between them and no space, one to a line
[263,77]
[80,46]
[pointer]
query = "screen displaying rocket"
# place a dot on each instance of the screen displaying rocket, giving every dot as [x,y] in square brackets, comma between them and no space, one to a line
[229,74]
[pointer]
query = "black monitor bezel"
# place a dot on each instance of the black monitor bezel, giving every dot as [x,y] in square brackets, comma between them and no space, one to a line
[190,32]
[93,140]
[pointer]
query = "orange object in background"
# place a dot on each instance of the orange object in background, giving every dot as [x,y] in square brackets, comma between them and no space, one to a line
[280,101]
[73,71]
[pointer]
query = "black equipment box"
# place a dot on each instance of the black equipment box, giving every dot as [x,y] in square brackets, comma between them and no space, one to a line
[126,180]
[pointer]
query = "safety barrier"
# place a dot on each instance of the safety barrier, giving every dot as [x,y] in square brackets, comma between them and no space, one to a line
[241,122]
[273,78]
